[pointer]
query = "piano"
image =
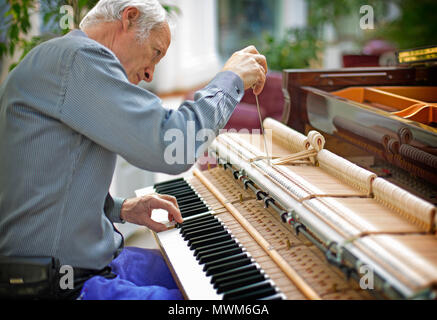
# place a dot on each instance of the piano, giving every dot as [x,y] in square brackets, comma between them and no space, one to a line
[329,212]
[383,118]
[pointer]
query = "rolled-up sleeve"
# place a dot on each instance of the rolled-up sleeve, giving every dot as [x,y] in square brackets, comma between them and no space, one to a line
[99,102]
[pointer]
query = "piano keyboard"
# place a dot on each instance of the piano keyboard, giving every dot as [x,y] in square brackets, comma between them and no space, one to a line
[209,262]
[190,203]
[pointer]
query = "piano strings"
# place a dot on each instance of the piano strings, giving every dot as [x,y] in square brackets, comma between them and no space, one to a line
[371,217]
[251,205]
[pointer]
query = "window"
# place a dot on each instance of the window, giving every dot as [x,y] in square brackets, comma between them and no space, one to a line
[243,22]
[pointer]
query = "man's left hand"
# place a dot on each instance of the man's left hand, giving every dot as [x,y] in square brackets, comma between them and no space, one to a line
[139,210]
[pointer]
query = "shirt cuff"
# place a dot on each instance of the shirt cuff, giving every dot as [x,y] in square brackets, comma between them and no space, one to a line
[231,83]
[114,214]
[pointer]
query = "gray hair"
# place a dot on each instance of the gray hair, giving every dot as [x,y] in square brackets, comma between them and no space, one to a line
[152,14]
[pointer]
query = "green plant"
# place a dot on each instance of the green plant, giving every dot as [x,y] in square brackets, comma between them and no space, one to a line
[17,22]
[300,47]
[296,49]
[415,26]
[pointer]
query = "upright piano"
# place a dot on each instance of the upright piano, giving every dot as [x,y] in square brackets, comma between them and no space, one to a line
[342,206]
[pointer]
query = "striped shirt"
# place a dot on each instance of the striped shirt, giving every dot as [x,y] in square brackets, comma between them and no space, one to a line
[66,111]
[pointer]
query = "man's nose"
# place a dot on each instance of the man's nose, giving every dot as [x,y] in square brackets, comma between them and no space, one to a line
[148,74]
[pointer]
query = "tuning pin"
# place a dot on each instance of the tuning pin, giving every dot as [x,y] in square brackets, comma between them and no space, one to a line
[288,244]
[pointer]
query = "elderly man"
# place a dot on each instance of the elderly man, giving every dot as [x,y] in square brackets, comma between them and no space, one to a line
[66,111]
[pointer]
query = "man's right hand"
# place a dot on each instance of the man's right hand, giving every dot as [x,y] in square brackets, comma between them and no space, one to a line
[251,66]
[139,210]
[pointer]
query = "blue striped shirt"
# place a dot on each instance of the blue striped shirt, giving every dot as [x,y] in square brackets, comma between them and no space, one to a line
[66,111]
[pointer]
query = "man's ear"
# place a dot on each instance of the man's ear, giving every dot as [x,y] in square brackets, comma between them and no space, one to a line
[129,17]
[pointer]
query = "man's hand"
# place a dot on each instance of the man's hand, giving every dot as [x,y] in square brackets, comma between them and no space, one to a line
[139,210]
[251,66]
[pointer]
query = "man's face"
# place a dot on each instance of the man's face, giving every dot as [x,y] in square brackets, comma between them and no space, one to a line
[140,58]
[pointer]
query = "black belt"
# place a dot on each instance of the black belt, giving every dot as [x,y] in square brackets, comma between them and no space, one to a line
[88,273]
[35,278]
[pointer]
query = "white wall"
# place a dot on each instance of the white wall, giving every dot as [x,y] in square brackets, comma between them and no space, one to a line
[294,14]
[192,58]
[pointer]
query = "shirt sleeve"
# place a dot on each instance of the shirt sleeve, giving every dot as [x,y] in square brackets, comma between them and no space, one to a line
[100,103]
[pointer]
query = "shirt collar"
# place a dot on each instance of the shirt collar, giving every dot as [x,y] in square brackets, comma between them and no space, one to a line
[77,33]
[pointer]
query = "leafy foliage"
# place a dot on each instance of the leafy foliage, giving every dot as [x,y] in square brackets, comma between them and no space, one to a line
[415,27]
[18,24]
[16,21]
[296,49]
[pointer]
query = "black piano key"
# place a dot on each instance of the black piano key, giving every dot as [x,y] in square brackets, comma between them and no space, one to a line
[201,219]
[183,197]
[199,227]
[226,273]
[181,193]
[253,291]
[203,231]
[218,255]
[157,185]
[192,204]
[173,186]
[199,222]
[191,196]
[255,295]
[192,212]
[196,244]
[198,219]
[228,286]
[238,274]
[214,246]
[217,248]
[189,200]
[224,260]
[211,236]
[198,206]
[227,266]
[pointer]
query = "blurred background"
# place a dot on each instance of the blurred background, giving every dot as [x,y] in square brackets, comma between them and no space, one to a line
[290,33]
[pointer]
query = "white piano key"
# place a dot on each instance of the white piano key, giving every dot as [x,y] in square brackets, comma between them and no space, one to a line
[193,279]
